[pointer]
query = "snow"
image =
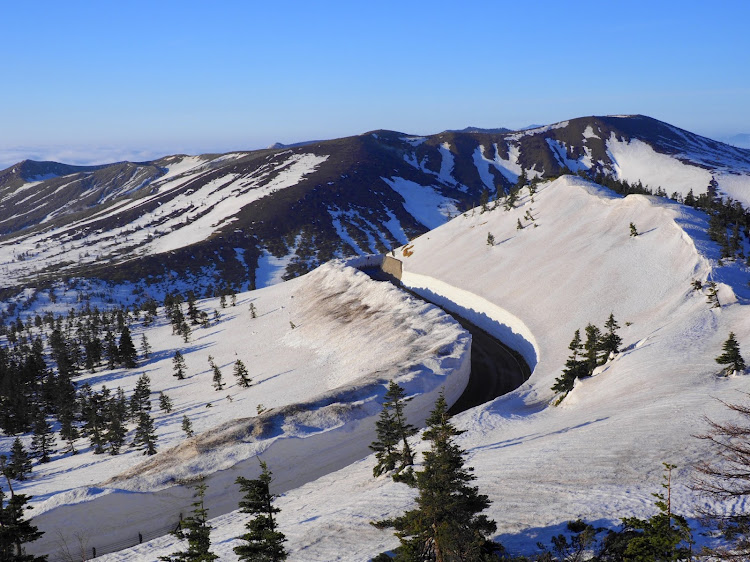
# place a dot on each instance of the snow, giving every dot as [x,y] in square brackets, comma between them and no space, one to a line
[447,163]
[598,455]
[321,382]
[636,160]
[423,202]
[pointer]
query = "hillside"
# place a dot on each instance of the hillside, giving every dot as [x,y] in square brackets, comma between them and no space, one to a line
[598,454]
[250,219]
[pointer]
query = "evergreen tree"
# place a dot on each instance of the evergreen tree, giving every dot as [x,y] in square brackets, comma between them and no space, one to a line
[253,312]
[217,377]
[519,226]
[116,413]
[490,239]
[126,349]
[178,362]
[140,400]
[665,537]
[484,198]
[111,350]
[241,374]
[165,403]
[610,341]
[575,368]
[192,310]
[187,427]
[15,531]
[592,348]
[43,442]
[19,464]
[185,331]
[264,541]
[633,230]
[196,530]
[731,356]
[447,523]
[145,435]
[394,431]
[93,408]
[145,347]
[712,297]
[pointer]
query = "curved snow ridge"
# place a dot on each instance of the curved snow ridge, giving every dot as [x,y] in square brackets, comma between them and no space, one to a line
[382,333]
[493,319]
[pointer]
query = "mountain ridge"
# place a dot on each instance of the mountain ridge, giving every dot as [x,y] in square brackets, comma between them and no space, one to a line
[246,215]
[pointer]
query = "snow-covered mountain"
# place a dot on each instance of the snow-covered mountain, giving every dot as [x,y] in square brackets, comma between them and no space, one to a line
[598,454]
[324,345]
[251,219]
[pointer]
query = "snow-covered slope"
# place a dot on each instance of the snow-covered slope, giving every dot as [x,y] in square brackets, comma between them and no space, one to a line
[320,353]
[598,454]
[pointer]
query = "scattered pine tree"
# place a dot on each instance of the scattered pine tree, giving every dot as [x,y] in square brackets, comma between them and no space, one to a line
[178,363]
[165,403]
[241,374]
[197,531]
[447,523]
[731,356]
[263,539]
[187,426]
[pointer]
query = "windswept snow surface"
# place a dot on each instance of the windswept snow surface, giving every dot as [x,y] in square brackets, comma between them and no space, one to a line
[321,383]
[598,454]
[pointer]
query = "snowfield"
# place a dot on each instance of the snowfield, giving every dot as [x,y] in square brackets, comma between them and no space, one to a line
[598,454]
[320,352]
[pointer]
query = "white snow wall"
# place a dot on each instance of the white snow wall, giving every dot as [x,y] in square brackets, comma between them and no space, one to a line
[484,314]
[155,493]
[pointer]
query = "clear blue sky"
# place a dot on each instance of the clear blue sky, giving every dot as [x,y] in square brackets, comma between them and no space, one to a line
[88,80]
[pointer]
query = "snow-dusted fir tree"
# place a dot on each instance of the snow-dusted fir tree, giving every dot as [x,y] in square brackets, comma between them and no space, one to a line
[16,530]
[575,367]
[263,540]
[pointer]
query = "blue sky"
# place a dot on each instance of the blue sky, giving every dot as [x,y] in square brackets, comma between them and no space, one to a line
[84,81]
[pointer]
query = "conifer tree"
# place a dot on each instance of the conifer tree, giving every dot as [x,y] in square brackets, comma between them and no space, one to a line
[712,297]
[140,400]
[610,341]
[592,348]
[633,230]
[447,523]
[126,349]
[731,356]
[217,377]
[93,408]
[19,464]
[145,347]
[253,312]
[404,457]
[196,530]
[111,350]
[15,530]
[165,403]
[43,442]
[178,362]
[574,367]
[187,426]
[263,540]
[241,374]
[145,434]
[116,412]
[490,239]
[665,537]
